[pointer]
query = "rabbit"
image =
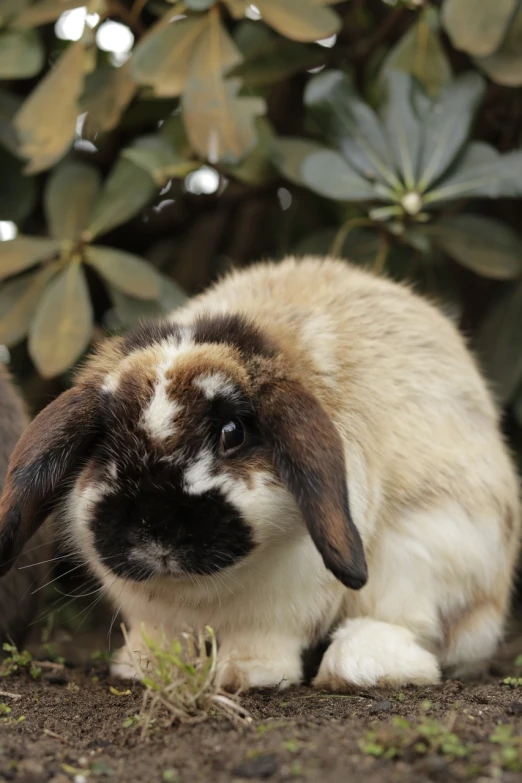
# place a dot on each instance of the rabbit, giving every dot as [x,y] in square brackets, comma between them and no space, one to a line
[19,594]
[303,451]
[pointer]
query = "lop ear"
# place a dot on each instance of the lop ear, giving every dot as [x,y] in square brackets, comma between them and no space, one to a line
[309,457]
[45,455]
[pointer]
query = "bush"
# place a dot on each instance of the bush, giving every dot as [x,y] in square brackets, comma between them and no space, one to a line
[174,139]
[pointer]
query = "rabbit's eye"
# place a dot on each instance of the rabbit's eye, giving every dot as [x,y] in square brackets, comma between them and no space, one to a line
[232,436]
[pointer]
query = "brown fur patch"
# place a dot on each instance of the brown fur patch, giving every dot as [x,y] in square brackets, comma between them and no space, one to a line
[45,454]
[309,456]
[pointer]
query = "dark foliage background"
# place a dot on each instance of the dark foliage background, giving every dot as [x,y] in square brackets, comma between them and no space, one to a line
[228,135]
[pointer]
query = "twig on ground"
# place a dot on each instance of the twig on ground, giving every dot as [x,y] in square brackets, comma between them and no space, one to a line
[10,695]
[54,735]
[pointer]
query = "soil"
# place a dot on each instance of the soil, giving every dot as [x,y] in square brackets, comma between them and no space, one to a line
[72,730]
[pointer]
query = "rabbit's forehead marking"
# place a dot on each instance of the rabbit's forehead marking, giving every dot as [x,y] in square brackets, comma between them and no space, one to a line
[159,416]
[214,384]
[144,358]
[182,385]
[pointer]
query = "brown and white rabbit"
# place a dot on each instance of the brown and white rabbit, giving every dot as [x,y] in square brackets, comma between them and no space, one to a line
[19,596]
[304,449]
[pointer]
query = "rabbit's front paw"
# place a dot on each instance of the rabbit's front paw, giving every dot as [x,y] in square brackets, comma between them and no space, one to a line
[241,675]
[259,661]
[365,653]
[123,665]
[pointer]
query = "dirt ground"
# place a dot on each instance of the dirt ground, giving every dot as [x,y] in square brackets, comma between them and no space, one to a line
[69,726]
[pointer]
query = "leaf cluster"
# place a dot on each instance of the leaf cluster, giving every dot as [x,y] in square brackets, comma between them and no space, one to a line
[402,737]
[388,133]
[17,662]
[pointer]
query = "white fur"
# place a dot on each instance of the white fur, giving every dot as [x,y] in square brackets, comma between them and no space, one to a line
[199,478]
[420,574]
[260,660]
[158,417]
[111,382]
[214,384]
[365,653]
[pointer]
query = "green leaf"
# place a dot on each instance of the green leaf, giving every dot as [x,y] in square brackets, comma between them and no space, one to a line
[268,58]
[288,154]
[18,192]
[477,26]
[21,54]
[45,134]
[328,174]
[220,125]
[162,58]
[62,326]
[18,301]
[420,53]
[44,11]
[350,125]
[200,5]
[125,192]
[174,131]
[299,20]
[360,246]
[487,246]
[481,172]
[505,65]
[447,125]
[125,271]
[9,105]
[9,9]
[17,255]
[108,92]
[156,155]
[132,311]
[498,343]
[257,168]
[402,126]
[69,197]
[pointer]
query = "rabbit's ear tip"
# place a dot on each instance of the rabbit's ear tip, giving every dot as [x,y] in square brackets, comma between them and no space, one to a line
[352,574]
[342,551]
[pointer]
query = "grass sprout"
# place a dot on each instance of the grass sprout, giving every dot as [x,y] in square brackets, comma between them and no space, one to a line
[179,679]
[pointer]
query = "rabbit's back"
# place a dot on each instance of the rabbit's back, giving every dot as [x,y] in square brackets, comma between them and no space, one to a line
[432,486]
[392,370]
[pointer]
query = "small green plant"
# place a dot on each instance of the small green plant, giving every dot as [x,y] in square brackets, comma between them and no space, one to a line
[131,721]
[262,728]
[6,715]
[509,755]
[52,654]
[512,682]
[101,656]
[170,776]
[179,679]
[16,662]
[428,737]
